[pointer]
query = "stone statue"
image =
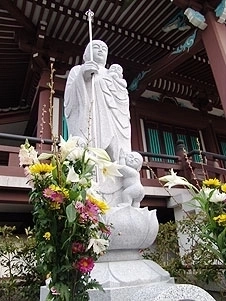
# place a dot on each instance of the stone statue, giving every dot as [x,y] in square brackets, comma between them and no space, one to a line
[103,118]
[97,110]
[133,190]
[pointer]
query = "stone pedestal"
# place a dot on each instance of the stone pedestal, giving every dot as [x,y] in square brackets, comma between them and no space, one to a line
[123,271]
[123,278]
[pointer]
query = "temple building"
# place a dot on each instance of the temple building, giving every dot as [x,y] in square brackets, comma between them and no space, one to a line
[173,55]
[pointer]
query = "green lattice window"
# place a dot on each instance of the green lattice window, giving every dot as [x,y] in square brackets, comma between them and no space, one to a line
[161,139]
[222,147]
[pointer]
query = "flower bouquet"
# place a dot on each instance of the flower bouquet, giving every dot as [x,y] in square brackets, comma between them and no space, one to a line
[211,200]
[68,211]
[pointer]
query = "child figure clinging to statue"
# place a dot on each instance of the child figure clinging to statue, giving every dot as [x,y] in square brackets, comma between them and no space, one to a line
[133,190]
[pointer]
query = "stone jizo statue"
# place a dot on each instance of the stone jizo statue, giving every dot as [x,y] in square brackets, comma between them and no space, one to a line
[103,119]
[97,110]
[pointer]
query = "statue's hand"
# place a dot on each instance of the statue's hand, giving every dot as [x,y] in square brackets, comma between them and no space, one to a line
[89,68]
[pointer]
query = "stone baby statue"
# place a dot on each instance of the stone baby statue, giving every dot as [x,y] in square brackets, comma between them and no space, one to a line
[133,191]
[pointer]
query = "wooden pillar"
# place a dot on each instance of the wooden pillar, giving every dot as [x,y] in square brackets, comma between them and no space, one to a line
[214,39]
[43,127]
[135,129]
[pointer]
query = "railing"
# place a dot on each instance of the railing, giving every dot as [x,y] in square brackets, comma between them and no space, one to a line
[154,166]
[9,160]
[158,165]
[212,165]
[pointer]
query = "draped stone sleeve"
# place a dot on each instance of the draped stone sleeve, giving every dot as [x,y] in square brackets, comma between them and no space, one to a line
[76,103]
[68,99]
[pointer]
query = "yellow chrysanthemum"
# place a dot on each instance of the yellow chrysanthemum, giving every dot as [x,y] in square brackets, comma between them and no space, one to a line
[221,219]
[41,168]
[102,205]
[223,187]
[47,235]
[212,183]
[56,188]
[54,206]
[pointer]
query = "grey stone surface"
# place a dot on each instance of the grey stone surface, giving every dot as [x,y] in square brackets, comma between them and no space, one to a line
[163,291]
[43,293]
[133,228]
[160,291]
[129,273]
[184,292]
[128,293]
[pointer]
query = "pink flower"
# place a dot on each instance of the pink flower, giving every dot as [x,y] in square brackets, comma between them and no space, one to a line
[84,265]
[53,195]
[48,192]
[54,291]
[87,211]
[78,247]
[57,197]
[79,206]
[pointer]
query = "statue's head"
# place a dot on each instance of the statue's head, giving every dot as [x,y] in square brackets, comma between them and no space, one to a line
[100,52]
[117,69]
[134,160]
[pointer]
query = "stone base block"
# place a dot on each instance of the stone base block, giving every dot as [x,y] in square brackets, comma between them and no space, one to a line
[153,292]
[124,273]
[128,293]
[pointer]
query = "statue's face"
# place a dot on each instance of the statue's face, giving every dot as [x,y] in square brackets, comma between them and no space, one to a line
[134,160]
[116,68]
[100,52]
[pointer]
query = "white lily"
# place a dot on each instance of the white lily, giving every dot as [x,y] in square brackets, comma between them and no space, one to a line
[75,154]
[109,169]
[72,176]
[45,156]
[68,146]
[100,153]
[99,245]
[216,196]
[172,180]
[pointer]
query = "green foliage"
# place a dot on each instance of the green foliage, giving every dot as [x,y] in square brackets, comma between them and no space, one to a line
[196,264]
[20,279]
[166,254]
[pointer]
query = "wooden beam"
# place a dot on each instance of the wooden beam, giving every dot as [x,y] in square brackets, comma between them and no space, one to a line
[197,5]
[50,47]
[188,3]
[15,196]
[13,117]
[165,66]
[214,39]
[63,50]
[16,13]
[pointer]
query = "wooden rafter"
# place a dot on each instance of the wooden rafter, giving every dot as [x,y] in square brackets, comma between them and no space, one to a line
[165,66]
[196,4]
[18,15]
